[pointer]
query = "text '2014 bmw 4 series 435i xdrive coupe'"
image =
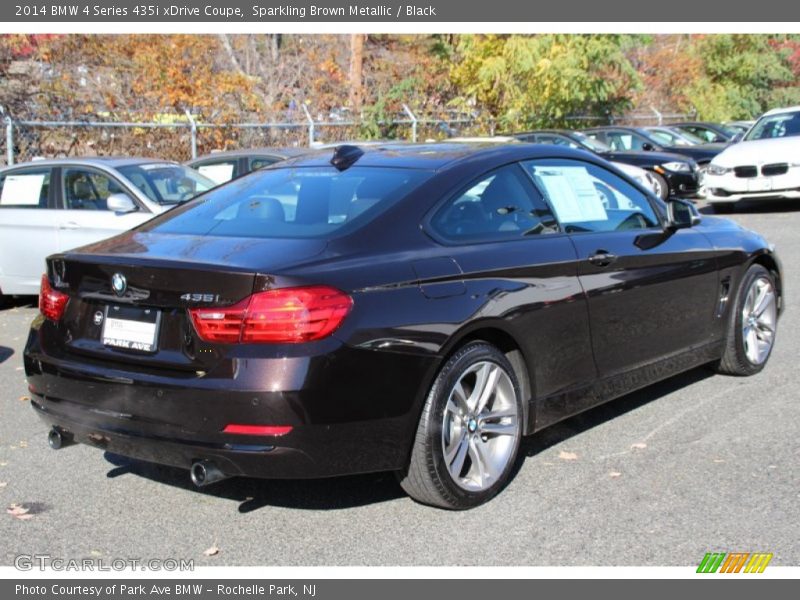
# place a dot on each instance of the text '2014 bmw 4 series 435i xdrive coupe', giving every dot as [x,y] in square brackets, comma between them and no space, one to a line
[416,309]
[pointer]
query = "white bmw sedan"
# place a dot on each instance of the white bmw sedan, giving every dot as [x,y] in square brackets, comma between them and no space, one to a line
[765,165]
[51,206]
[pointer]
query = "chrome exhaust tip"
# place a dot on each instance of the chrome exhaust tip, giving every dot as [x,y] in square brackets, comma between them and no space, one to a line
[58,438]
[204,472]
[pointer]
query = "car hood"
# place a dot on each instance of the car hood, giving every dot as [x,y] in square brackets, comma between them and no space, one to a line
[757,152]
[238,254]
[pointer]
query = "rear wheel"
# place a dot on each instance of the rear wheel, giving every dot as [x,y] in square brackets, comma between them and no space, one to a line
[753,324]
[469,432]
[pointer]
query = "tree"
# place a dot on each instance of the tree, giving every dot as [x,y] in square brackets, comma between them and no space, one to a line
[531,81]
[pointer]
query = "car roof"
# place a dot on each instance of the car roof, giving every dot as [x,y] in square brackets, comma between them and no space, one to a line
[113,162]
[434,156]
[778,111]
[282,152]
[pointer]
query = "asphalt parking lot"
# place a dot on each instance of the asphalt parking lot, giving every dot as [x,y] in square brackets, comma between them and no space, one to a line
[697,463]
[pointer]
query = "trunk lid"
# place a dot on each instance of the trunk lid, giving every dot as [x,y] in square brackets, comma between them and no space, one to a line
[129,294]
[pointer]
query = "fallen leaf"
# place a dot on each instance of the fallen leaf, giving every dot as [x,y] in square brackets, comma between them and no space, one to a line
[3,464]
[614,474]
[19,368]
[24,398]
[719,460]
[211,551]
[96,553]
[772,467]
[19,512]
[23,444]
[567,455]
[639,446]
[3,484]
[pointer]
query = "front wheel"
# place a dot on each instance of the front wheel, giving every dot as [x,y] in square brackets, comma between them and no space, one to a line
[661,187]
[469,432]
[753,324]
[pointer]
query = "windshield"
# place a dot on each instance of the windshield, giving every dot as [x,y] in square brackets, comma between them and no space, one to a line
[167,183]
[292,203]
[591,143]
[775,126]
[673,138]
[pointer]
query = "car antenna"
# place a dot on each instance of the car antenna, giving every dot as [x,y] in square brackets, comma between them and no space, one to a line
[345,156]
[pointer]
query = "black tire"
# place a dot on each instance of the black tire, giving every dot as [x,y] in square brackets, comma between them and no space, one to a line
[723,208]
[663,191]
[734,360]
[427,478]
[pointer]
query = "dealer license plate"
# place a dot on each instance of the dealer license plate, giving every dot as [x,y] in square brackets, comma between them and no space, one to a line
[131,328]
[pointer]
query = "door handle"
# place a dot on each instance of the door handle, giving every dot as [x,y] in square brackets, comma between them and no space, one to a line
[602,258]
[69,225]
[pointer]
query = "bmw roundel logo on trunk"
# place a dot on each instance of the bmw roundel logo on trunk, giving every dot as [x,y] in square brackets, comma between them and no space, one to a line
[119,284]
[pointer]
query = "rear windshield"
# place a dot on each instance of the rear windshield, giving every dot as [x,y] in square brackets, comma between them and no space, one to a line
[291,203]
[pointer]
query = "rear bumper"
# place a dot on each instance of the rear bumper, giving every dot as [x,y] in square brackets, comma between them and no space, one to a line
[355,412]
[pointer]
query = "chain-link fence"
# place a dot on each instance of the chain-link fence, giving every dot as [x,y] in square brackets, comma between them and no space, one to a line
[183,137]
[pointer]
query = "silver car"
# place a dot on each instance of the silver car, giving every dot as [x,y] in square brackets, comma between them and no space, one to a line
[49,206]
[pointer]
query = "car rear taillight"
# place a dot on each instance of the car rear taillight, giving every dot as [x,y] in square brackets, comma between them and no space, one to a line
[287,316]
[51,302]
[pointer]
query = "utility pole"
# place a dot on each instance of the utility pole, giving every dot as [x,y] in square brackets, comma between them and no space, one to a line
[356,70]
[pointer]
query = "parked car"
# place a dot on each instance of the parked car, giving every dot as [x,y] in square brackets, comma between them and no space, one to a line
[708,132]
[672,136]
[739,127]
[221,167]
[765,165]
[415,309]
[672,175]
[50,206]
[639,139]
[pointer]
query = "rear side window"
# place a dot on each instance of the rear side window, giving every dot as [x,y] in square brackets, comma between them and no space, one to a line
[292,203]
[259,162]
[28,188]
[501,205]
[219,171]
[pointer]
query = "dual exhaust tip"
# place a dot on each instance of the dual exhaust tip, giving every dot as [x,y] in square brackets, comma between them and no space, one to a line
[202,472]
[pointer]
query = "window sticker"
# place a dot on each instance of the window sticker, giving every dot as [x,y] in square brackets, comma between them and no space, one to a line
[572,193]
[218,173]
[22,190]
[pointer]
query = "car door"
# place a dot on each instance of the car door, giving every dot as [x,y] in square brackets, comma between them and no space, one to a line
[503,237]
[28,228]
[651,293]
[84,216]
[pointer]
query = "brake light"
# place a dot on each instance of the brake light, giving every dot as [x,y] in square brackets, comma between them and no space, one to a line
[51,302]
[275,430]
[288,316]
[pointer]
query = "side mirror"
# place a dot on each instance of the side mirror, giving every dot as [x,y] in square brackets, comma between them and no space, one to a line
[648,147]
[121,203]
[681,214]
